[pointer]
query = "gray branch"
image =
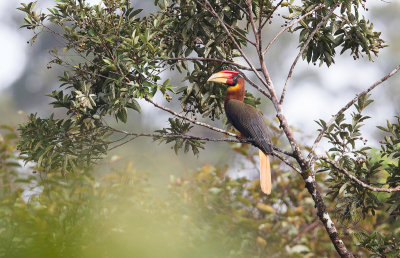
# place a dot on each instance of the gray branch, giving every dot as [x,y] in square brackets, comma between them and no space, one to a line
[347,106]
[358,181]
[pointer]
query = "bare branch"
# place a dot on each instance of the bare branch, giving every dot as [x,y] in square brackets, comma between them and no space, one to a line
[253,25]
[273,97]
[189,119]
[257,34]
[256,86]
[302,50]
[289,26]
[240,7]
[209,60]
[181,136]
[193,137]
[286,161]
[347,106]
[358,181]
[308,228]
[270,15]
[260,17]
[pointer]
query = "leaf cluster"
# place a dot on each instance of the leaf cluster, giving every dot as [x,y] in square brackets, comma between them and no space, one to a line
[179,127]
[377,168]
[379,245]
[62,144]
[194,31]
[345,31]
[390,150]
[350,150]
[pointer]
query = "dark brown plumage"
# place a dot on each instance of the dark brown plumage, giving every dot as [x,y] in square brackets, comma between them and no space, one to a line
[248,121]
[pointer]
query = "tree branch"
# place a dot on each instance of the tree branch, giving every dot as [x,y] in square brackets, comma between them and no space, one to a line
[306,173]
[260,16]
[347,106]
[256,86]
[212,11]
[286,161]
[323,214]
[209,60]
[289,26]
[358,181]
[181,136]
[256,31]
[270,15]
[302,50]
[236,139]
[240,7]
[189,119]
[305,168]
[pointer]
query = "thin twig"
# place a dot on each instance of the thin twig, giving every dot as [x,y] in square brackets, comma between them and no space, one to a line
[347,106]
[256,86]
[189,119]
[302,50]
[308,228]
[240,7]
[240,34]
[208,139]
[208,60]
[180,136]
[287,162]
[358,181]
[270,15]
[289,26]
[260,16]
[253,25]
[122,143]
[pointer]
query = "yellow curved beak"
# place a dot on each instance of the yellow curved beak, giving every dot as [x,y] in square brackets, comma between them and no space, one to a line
[219,77]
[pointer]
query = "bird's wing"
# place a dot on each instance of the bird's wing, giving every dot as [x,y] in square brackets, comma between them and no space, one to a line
[250,122]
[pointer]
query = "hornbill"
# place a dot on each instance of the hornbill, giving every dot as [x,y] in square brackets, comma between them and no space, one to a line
[248,121]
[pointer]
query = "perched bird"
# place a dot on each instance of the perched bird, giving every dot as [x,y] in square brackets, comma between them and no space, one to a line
[247,120]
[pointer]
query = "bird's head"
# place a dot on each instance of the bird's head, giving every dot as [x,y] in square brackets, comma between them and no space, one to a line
[229,78]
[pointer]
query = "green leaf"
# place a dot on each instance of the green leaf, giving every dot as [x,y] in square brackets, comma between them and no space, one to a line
[122,115]
[133,104]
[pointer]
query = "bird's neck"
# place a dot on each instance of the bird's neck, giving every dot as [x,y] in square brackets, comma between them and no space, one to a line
[236,92]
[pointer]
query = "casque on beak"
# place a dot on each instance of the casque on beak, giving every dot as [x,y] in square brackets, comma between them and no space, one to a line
[220,77]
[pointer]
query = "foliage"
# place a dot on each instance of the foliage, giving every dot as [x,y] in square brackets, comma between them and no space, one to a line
[206,213]
[122,215]
[8,165]
[179,127]
[379,245]
[114,57]
[376,168]
[118,58]
[348,31]
[344,138]
[62,144]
